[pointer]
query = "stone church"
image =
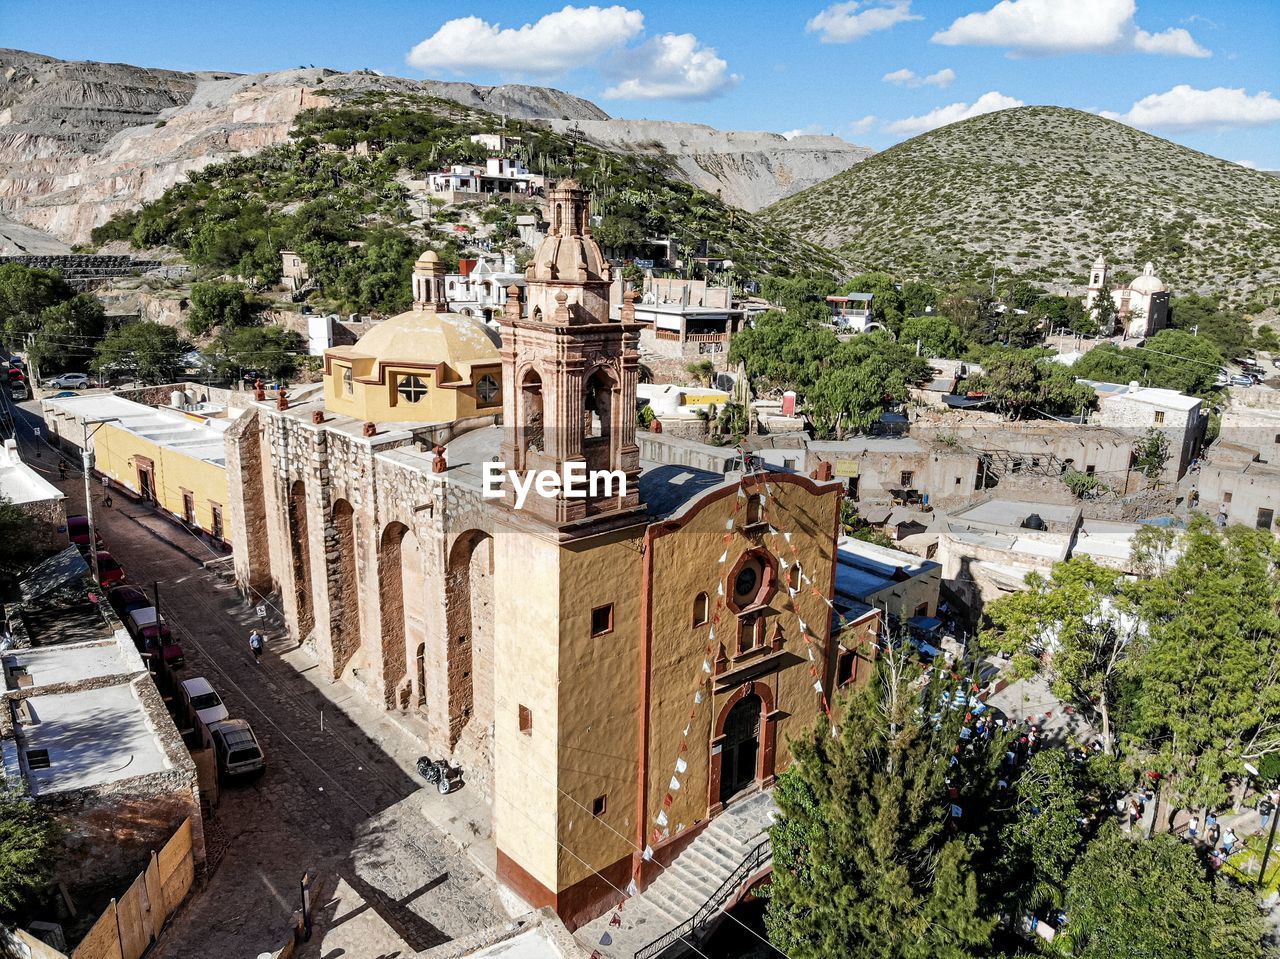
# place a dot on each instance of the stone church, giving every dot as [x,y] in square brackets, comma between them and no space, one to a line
[610,671]
[1142,307]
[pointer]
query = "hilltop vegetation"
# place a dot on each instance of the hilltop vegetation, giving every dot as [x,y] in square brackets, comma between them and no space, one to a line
[1040,192]
[320,197]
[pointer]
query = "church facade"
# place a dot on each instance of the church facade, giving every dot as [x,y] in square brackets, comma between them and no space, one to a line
[610,670]
[1141,308]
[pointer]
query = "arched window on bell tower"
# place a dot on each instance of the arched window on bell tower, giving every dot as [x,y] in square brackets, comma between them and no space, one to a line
[597,405]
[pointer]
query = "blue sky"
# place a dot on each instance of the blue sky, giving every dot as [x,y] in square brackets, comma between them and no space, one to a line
[873,71]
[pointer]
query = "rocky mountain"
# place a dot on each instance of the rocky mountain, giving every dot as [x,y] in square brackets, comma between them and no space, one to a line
[1041,191]
[82,141]
[747,169]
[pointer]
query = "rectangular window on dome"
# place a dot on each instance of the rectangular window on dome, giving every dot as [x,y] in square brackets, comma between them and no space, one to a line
[348,381]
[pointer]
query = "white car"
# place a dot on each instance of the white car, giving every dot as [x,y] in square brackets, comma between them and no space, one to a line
[236,748]
[68,381]
[202,703]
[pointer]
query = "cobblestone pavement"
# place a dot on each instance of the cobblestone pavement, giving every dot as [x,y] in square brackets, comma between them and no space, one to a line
[333,799]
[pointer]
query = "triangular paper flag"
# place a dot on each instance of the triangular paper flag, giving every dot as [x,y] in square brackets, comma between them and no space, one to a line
[647,854]
[724,556]
[697,698]
[810,654]
[818,686]
[686,730]
[782,562]
[720,589]
[706,666]
[729,524]
[606,940]
[674,784]
[787,537]
[712,635]
[833,732]
[632,888]
[681,765]
[661,818]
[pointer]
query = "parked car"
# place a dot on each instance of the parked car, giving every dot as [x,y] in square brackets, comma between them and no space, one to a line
[68,381]
[78,533]
[151,635]
[236,748]
[202,705]
[19,391]
[60,396]
[125,599]
[110,572]
[15,374]
[1241,379]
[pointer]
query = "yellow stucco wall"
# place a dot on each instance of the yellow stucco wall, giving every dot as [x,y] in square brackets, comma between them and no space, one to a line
[116,451]
[381,403]
[599,702]
[526,644]
[688,562]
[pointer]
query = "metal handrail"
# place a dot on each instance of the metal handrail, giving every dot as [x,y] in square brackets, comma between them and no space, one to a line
[714,904]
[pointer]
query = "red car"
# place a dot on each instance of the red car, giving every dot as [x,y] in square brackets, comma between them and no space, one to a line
[125,599]
[110,573]
[78,533]
[151,635]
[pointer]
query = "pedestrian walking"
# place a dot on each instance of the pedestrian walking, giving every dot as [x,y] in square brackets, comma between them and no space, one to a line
[255,644]
[1193,829]
[1266,807]
[1228,842]
[1135,813]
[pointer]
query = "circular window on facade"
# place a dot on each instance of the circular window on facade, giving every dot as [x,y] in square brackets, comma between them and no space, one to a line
[751,581]
[412,389]
[487,390]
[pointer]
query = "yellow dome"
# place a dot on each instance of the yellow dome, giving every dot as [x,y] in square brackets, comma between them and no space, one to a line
[427,261]
[421,336]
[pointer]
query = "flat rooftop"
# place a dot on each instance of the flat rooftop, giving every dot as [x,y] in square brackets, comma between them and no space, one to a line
[867,444]
[93,737]
[191,434]
[863,569]
[1007,512]
[20,483]
[53,665]
[1105,540]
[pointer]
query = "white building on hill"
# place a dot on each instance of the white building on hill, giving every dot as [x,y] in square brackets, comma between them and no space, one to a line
[1142,307]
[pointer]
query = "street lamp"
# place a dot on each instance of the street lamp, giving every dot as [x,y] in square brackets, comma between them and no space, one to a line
[86,459]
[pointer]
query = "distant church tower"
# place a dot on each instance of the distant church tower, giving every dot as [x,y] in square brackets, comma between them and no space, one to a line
[571,372]
[1098,278]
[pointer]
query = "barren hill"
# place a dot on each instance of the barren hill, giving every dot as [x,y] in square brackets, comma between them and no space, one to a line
[82,141]
[1041,191]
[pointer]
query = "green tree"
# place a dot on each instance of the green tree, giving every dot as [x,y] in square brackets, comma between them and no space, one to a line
[937,336]
[1104,308]
[865,863]
[67,334]
[1057,312]
[887,305]
[1022,383]
[149,351]
[1075,627]
[704,372]
[1151,453]
[216,306]
[17,539]
[1228,330]
[29,841]
[272,350]
[25,293]
[1203,695]
[1045,837]
[783,351]
[1153,898]
[1171,360]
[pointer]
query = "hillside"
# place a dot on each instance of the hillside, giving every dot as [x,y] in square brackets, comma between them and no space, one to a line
[82,141]
[1041,191]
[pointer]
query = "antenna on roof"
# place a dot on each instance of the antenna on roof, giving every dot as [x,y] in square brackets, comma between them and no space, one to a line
[575,136]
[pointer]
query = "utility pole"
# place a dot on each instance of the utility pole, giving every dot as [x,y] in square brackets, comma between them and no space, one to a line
[86,462]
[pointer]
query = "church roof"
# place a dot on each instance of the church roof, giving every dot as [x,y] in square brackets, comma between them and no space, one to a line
[422,336]
[1147,281]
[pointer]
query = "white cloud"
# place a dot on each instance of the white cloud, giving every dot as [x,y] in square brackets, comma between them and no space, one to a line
[811,130]
[556,43]
[1052,26]
[1186,108]
[904,77]
[854,19]
[863,125]
[671,66]
[1247,164]
[1174,42]
[952,113]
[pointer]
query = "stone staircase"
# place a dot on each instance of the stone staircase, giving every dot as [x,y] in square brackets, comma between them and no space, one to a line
[684,887]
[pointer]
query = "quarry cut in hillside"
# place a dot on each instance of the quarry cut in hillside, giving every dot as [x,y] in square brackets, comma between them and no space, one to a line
[82,141]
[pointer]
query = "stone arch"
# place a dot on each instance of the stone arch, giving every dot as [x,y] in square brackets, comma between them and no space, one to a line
[469,617]
[529,417]
[300,548]
[402,597]
[599,396]
[765,754]
[344,604]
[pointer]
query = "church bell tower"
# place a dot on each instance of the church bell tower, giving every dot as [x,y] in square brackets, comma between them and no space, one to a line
[571,373]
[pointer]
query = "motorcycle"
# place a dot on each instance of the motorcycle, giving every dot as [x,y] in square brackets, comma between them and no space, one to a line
[438,772]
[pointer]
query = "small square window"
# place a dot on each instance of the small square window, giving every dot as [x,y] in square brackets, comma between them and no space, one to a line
[788,463]
[957,480]
[846,668]
[1226,497]
[526,720]
[1090,470]
[1159,417]
[599,805]
[906,479]
[1265,518]
[602,620]
[37,759]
